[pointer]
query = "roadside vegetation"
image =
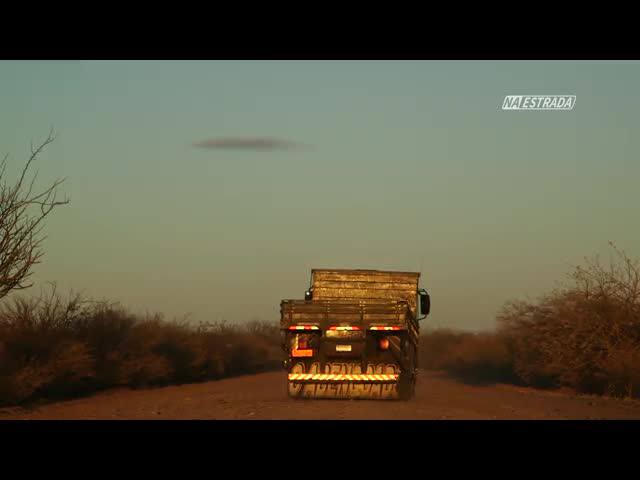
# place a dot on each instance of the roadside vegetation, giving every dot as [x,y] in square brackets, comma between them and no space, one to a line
[53,348]
[584,335]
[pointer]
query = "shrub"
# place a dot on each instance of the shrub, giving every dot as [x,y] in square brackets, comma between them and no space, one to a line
[585,335]
[52,347]
[476,357]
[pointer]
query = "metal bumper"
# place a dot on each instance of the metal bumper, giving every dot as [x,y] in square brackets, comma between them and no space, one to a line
[338,378]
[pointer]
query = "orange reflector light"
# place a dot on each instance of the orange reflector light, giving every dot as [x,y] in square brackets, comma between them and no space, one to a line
[341,377]
[302,353]
[304,327]
[385,328]
[338,327]
[383,344]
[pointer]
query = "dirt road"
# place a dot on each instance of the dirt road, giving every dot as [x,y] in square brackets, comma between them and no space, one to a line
[263,397]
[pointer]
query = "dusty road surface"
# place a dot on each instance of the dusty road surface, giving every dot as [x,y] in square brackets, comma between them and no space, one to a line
[263,396]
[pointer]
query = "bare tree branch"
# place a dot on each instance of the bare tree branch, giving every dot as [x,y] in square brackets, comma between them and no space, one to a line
[22,214]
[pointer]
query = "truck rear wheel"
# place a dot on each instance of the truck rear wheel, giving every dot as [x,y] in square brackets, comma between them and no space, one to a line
[406,386]
[407,379]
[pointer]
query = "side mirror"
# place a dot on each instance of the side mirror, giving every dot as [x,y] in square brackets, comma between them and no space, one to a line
[425,303]
[308,295]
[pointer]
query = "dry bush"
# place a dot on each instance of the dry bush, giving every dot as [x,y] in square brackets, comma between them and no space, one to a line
[264,329]
[474,357]
[52,347]
[621,368]
[481,358]
[585,335]
[436,345]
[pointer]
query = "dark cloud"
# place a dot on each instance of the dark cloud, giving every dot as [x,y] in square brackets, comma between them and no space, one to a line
[261,144]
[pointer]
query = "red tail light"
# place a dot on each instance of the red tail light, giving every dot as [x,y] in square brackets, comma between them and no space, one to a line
[302,347]
[349,327]
[301,353]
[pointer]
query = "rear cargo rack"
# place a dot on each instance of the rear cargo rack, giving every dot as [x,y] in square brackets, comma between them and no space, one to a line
[383,314]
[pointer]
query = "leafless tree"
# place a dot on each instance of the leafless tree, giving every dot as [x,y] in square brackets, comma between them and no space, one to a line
[22,214]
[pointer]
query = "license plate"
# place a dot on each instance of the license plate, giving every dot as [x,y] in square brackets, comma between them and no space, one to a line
[343,348]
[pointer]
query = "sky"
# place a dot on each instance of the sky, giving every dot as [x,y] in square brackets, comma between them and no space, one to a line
[212,188]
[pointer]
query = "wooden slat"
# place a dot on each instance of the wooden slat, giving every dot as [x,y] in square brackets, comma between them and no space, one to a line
[365,285]
[365,276]
[323,292]
[324,313]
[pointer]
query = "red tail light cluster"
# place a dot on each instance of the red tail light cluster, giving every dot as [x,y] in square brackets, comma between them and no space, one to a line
[302,346]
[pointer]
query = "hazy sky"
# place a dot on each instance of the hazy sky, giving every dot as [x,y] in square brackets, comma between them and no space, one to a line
[387,165]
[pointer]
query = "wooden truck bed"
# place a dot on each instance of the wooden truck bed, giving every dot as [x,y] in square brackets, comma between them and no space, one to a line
[320,315]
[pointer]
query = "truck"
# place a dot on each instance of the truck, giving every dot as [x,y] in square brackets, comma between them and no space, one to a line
[354,335]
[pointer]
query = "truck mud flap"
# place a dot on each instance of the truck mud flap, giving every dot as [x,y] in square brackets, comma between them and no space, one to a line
[344,381]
